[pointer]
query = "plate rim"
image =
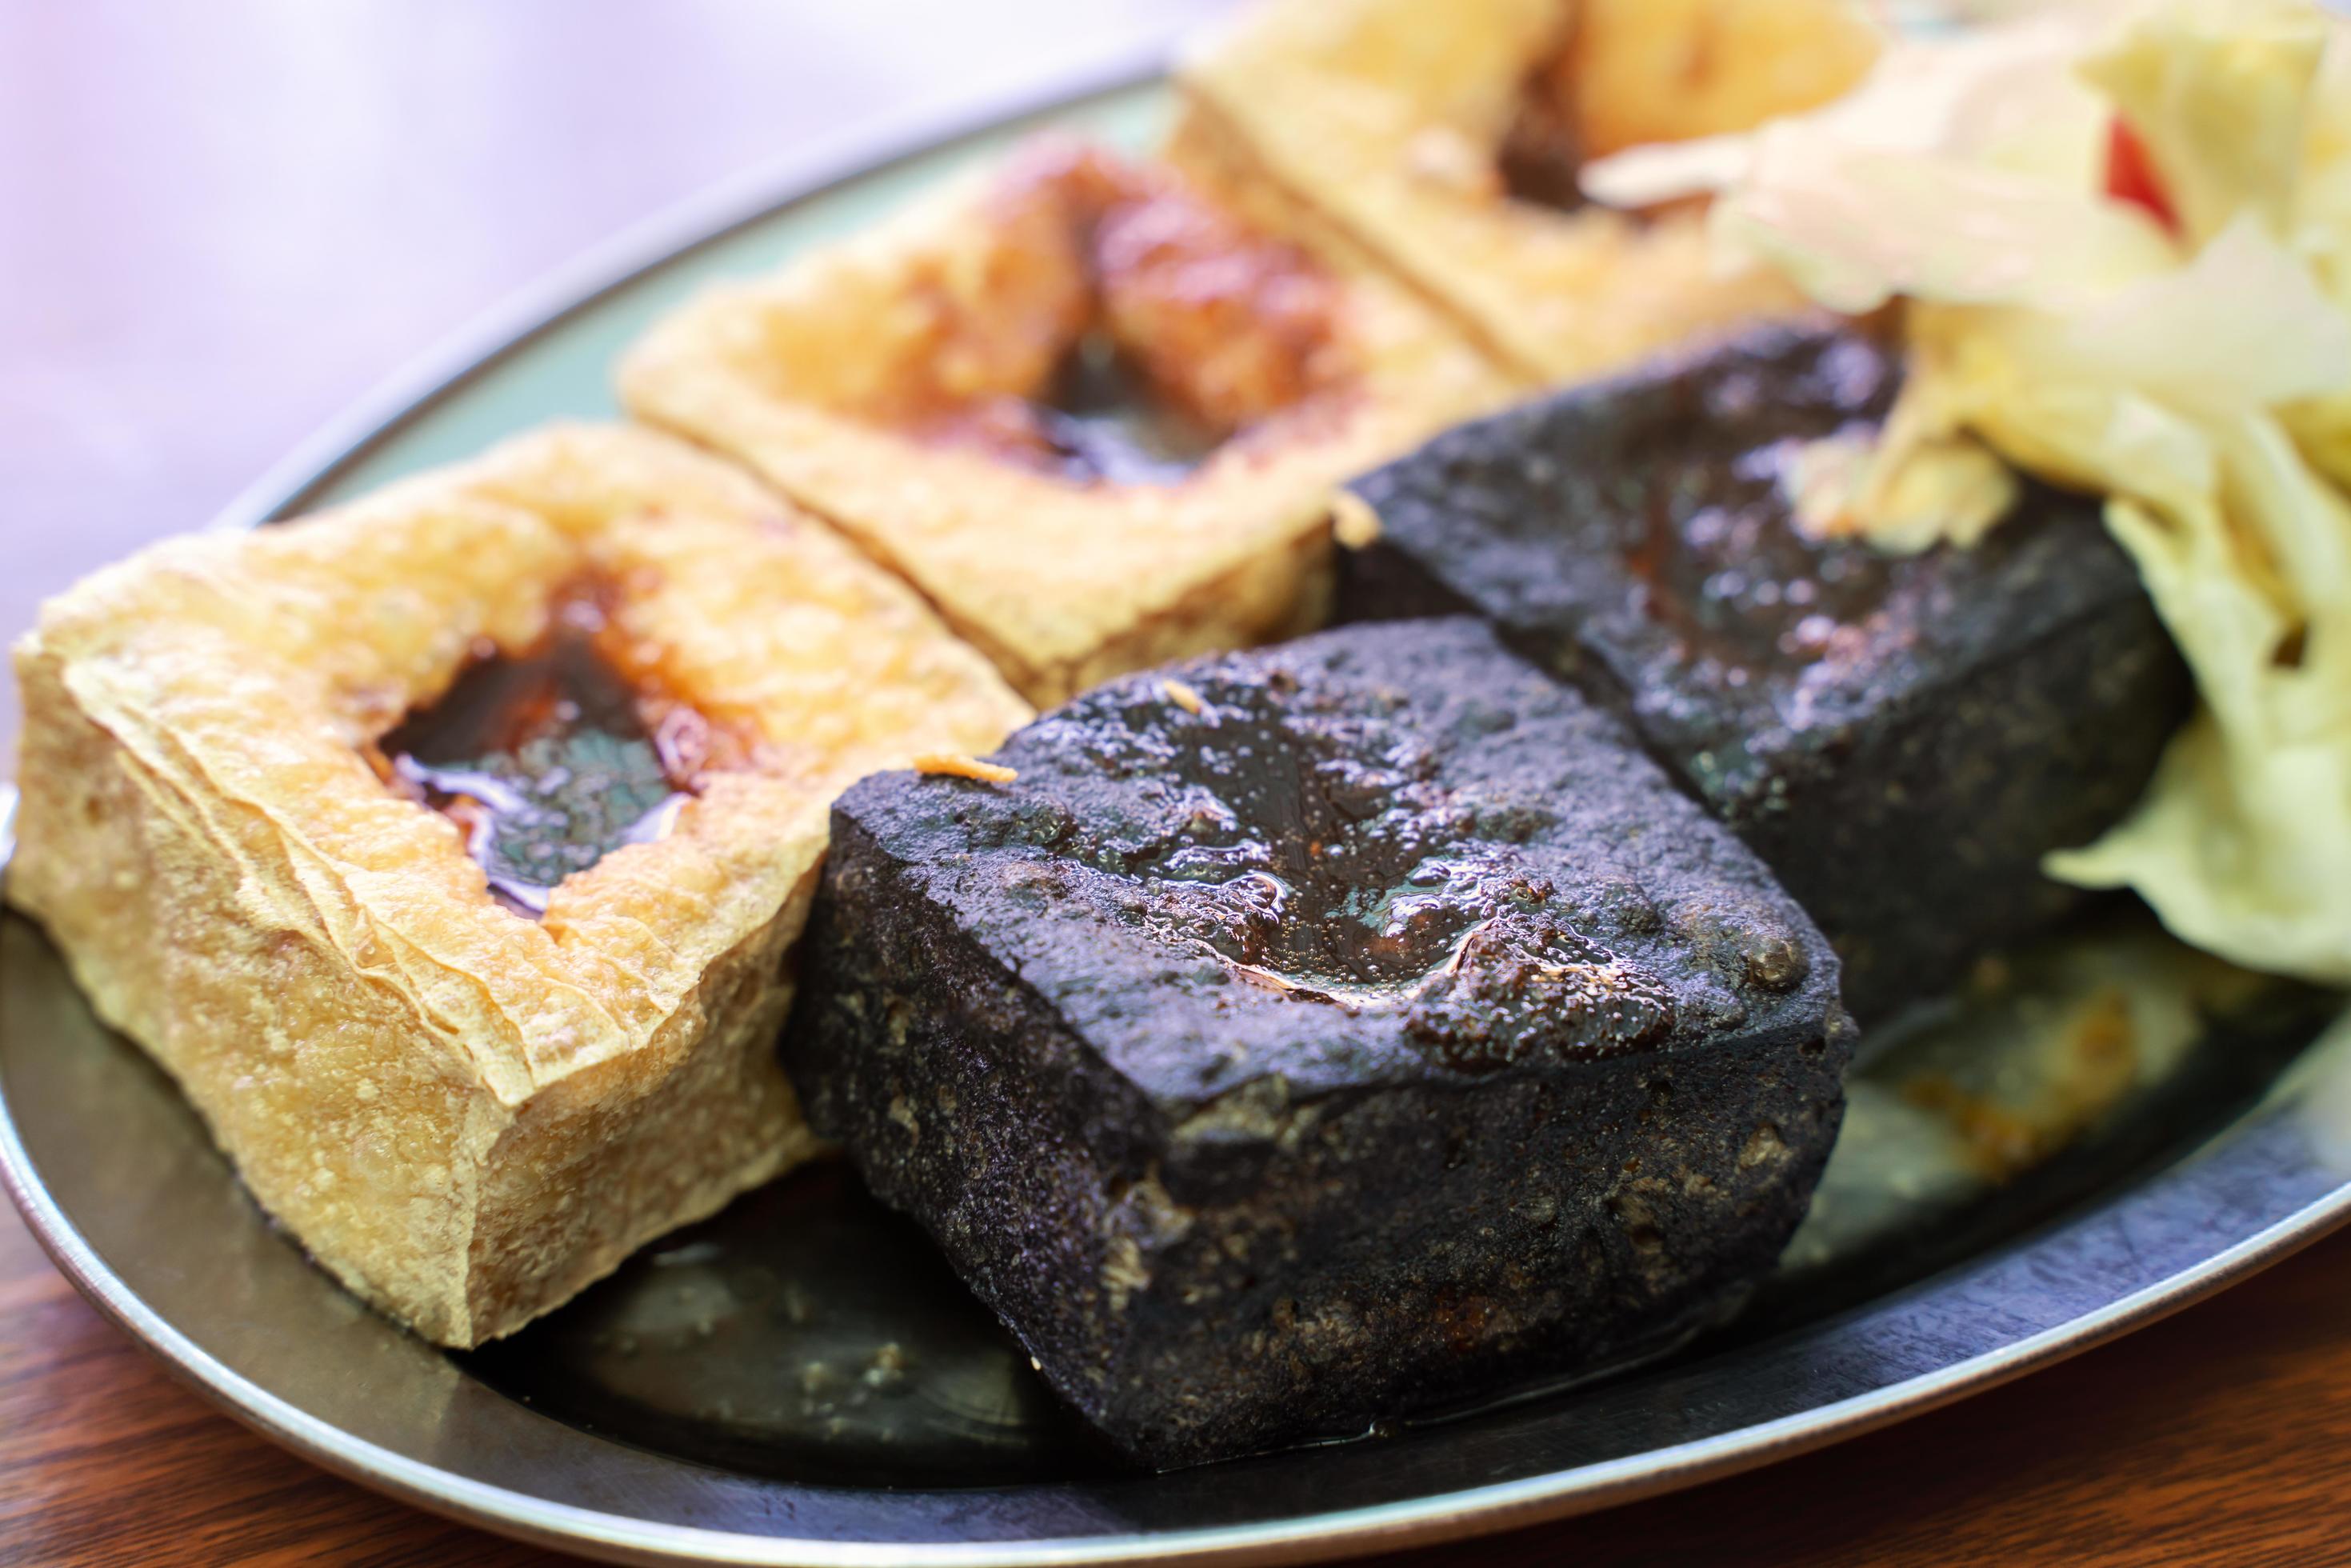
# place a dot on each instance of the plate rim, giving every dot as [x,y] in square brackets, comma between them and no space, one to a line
[1419,1522]
[648,245]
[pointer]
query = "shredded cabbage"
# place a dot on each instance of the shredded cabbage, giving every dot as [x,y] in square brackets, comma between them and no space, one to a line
[2190,360]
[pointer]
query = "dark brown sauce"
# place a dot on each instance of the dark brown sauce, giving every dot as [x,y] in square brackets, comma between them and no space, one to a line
[1541,160]
[548,761]
[1329,861]
[1164,326]
[1322,859]
[1102,423]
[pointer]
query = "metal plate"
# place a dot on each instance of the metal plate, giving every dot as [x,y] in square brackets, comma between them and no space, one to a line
[753,1391]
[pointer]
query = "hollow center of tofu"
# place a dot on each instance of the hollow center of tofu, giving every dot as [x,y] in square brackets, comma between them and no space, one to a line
[548,759]
[1116,329]
[1101,421]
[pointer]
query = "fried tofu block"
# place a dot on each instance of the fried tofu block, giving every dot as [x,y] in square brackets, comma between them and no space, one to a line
[1303,1036]
[1096,418]
[1902,738]
[476,1003]
[1446,143]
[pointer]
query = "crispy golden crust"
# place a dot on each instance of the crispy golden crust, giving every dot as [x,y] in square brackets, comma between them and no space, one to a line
[465,1115]
[821,376]
[1640,71]
[1379,122]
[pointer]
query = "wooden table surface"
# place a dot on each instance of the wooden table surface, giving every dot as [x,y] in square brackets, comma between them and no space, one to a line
[218,224]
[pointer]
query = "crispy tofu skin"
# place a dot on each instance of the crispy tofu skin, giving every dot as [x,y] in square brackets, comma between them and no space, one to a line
[1638,71]
[898,384]
[464,1113]
[1443,141]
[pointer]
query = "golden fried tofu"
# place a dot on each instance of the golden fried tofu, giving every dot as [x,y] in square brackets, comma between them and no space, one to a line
[1095,417]
[1446,142]
[477,1001]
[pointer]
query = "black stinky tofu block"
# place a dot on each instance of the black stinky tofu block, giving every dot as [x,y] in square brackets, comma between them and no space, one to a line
[1902,738]
[1312,1035]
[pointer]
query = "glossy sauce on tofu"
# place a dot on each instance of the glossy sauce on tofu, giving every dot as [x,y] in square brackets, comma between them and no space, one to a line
[1125,330]
[550,759]
[1321,855]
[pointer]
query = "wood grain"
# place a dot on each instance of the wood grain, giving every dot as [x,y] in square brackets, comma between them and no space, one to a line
[223,221]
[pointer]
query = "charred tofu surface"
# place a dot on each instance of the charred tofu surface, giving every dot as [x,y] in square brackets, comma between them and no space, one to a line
[1448,144]
[1306,1037]
[1902,738]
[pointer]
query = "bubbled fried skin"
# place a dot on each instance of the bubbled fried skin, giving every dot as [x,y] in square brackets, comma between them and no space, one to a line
[911,386]
[1444,143]
[1303,1037]
[1640,71]
[1229,327]
[466,1114]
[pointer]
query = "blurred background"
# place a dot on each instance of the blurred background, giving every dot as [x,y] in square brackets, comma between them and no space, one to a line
[220,224]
